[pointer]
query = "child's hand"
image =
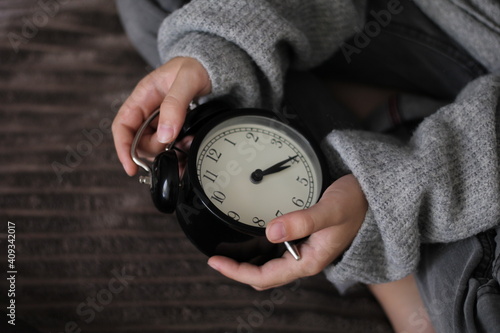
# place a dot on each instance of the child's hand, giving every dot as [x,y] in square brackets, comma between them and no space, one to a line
[332,225]
[171,87]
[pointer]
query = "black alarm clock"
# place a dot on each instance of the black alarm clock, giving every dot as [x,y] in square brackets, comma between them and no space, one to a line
[244,168]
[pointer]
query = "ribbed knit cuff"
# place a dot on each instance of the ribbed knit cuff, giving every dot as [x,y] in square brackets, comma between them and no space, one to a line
[441,186]
[230,70]
[383,166]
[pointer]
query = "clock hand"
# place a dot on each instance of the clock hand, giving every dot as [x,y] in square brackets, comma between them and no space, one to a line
[258,174]
[278,166]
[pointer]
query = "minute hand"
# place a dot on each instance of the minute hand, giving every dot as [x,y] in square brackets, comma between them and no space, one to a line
[258,174]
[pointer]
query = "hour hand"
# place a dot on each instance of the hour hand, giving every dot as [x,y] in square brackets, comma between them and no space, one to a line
[258,174]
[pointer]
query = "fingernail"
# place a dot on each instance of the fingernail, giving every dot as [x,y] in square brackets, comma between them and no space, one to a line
[276,231]
[211,264]
[165,133]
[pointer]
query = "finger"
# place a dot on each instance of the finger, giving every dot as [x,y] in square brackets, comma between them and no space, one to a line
[276,272]
[149,146]
[272,274]
[144,99]
[188,84]
[299,224]
[123,135]
[342,202]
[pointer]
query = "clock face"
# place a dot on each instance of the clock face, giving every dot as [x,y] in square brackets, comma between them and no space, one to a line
[254,169]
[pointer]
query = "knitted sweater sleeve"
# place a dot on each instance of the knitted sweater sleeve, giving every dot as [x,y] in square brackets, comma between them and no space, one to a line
[442,186]
[247,45]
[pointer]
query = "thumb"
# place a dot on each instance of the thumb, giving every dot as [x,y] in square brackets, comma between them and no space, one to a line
[190,82]
[299,224]
[343,202]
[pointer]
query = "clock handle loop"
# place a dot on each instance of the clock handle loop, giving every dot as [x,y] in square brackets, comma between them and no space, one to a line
[163,175]
[133,149]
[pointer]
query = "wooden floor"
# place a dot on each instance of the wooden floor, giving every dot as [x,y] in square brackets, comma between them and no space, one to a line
[91,250]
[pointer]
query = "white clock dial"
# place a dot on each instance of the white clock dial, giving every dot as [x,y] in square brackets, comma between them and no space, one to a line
[253,169]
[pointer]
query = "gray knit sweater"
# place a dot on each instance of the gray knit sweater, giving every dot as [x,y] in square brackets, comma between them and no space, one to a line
[442,186]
